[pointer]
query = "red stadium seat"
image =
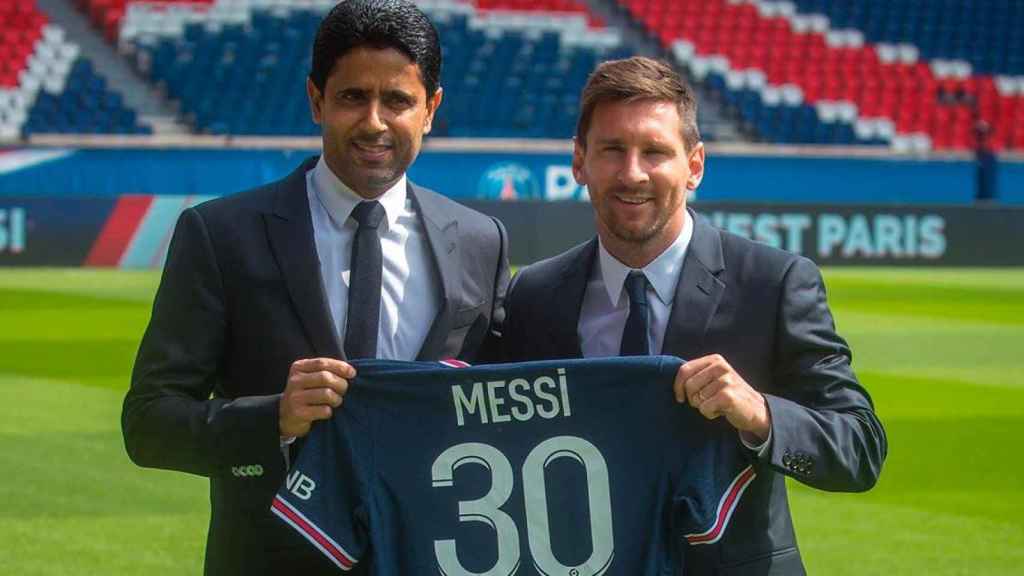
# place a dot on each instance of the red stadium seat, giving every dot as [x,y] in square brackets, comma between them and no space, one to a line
[905,93]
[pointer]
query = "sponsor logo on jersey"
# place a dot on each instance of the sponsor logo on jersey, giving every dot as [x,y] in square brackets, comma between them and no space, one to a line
[300,485]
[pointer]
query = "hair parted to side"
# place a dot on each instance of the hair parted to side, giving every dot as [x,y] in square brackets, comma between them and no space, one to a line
[633,79]
[397,24]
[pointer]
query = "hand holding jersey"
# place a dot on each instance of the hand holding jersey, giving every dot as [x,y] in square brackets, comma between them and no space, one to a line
[514,468]
[316,386]
[712,386]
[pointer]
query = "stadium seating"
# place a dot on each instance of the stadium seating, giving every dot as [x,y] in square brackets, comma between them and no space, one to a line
[107,14]
[238,67]
[911,74]
[988,34]
[45,86]
[796,78]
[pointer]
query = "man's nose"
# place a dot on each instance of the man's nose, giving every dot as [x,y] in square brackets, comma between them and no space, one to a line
[633,172]
[374,119]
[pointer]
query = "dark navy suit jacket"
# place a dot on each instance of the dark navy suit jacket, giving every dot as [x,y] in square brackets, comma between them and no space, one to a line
[765,311]
[241,298]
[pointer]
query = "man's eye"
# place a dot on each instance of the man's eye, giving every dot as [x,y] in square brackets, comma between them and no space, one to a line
[399,102]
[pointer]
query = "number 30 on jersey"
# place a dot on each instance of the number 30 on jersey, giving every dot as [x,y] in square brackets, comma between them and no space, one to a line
[487,510]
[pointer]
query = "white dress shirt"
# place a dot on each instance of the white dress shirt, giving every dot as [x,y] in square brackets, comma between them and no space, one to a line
[410,291]
[606,304]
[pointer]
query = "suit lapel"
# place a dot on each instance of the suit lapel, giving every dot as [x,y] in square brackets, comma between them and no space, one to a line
[698,292]
[565,315]
[442,234]
[290,231]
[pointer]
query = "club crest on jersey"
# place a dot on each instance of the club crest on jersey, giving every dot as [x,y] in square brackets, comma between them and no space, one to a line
[497,401]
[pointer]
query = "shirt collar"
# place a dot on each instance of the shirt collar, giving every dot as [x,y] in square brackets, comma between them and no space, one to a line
[339,200]
[662,272]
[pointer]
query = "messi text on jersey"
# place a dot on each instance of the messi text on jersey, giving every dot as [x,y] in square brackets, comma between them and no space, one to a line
[497,401]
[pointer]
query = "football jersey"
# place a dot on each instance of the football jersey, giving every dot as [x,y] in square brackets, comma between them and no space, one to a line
[567,468]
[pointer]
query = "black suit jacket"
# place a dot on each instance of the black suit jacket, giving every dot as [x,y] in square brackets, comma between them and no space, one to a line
[240,299]
[765,311]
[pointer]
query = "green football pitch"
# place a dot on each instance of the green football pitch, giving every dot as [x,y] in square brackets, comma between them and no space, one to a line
[941,351]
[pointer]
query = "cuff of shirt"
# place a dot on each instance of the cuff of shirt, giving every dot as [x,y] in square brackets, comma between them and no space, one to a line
[760,449]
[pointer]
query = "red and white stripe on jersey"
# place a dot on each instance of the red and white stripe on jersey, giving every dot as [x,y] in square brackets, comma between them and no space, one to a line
[317,537]
[453,363]
[726,506]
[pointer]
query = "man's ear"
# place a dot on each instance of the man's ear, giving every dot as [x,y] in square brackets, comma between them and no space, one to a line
[433,103]
[695,161]
[578,154]
[316,100]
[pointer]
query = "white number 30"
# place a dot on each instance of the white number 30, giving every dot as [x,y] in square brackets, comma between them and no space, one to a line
[487,509]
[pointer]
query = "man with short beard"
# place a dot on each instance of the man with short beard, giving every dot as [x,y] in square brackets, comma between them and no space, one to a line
[751,320]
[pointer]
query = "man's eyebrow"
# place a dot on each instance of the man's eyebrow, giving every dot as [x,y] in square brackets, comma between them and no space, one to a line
[399,92]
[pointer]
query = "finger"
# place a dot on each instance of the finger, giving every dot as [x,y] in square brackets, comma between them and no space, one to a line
[321,379]
[319,397]
[311,413]
[712,394]
[313,365]
[713,407]
[701,379]
[691,367]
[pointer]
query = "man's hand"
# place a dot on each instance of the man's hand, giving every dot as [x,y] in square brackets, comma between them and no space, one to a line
[316,386]
[714,388]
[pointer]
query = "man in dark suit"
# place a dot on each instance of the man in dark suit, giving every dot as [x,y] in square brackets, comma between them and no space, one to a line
[752,320]
[266,293]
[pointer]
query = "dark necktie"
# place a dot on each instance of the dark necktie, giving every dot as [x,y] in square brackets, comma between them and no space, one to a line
[364,283]
[634,336]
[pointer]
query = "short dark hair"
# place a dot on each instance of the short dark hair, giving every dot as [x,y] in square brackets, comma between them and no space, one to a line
[397,24]
[633,79]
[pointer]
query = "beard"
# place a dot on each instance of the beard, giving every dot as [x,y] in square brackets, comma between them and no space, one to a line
[634,231]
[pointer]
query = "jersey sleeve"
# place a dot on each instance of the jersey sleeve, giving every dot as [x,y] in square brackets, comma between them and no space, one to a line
[714,472]
[323,495]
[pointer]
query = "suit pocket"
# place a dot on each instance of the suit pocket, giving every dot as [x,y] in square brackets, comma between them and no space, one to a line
[784,562]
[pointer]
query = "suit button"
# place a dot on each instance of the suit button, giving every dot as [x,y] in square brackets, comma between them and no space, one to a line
[786,460]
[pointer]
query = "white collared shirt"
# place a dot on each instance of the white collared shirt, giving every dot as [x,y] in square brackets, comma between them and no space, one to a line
[606,304]
[410,290]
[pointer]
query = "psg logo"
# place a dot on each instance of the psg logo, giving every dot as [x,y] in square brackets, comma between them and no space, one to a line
[508,181]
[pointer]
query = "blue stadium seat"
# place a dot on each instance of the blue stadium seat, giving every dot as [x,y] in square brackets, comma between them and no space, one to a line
[85,106]
[250,79]
[987,33]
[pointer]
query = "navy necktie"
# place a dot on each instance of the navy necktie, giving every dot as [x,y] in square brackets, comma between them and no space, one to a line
[364,283]
[634,336]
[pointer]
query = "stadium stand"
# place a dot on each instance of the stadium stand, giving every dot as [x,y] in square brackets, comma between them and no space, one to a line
[915,75]
[798,78]
[238,66]
[987,34]
[45,86]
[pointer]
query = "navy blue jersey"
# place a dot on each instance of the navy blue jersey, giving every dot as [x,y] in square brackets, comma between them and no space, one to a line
[567,468]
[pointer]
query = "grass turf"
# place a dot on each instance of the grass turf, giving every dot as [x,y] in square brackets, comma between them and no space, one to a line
[940,351]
